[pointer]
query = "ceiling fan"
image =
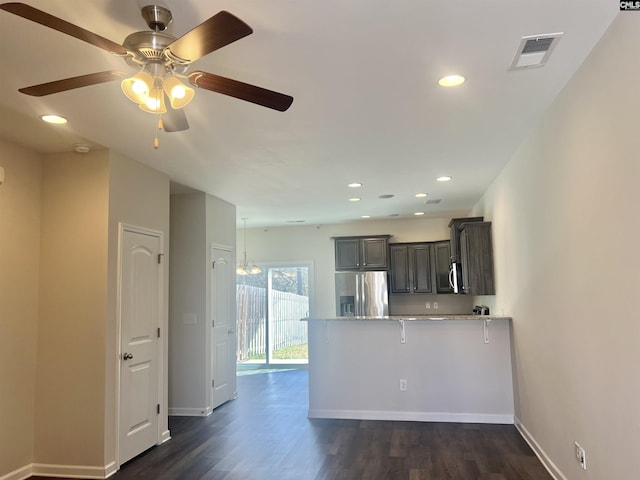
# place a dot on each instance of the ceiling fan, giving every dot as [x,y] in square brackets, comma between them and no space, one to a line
[163,62]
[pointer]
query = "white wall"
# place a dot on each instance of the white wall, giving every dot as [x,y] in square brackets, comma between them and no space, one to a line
[314,244]
[187,306]
[20,200]
[198,220]
[565,231]
[452,375]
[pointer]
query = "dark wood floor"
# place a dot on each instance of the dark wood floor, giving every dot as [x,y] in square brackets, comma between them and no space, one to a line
[265,435]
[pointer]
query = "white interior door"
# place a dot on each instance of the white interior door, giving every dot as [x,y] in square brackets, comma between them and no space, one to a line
[140,297]
[223,337]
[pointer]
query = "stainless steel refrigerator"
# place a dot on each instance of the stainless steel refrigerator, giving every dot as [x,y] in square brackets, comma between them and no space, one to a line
[362,294]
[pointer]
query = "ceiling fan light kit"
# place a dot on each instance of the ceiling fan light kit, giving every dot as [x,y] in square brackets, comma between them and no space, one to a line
[162,60]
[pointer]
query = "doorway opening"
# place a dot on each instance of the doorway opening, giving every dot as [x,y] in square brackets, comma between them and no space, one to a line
[270,306]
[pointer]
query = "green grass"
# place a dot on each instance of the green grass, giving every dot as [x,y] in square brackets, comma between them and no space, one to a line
[295,352]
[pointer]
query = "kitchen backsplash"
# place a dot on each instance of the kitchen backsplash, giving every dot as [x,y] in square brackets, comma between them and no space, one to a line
[416,304]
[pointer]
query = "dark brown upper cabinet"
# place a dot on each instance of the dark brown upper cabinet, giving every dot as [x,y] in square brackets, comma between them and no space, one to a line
[442,266]
[476,258]
[454,228]
[362,253]
[420,268]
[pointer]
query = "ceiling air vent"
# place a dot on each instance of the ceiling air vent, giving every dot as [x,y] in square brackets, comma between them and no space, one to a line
[534,50]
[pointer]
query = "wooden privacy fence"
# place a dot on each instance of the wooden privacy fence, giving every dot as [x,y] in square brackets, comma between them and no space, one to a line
[285,328]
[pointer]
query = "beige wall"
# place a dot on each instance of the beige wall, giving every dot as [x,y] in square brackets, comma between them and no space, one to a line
[70,387]
[19,280]
[58,263]
[565,228]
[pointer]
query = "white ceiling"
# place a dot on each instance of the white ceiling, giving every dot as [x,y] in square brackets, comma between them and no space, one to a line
[366,107]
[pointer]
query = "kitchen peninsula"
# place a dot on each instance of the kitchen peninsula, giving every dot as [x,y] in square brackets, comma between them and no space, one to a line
[448,368]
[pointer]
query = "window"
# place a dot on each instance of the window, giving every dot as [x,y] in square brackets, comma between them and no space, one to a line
[270,306]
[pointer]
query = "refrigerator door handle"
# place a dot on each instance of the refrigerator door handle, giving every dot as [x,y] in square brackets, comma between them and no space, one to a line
[358,300]
[361,303]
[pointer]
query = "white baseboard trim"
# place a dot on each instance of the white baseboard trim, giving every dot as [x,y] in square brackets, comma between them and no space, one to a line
[71,471]
[165,437]
[190,412]
[19,474]
[540,453]
[110,469]
[507,419]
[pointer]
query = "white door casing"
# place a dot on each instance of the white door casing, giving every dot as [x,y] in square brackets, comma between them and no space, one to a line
[140,296]
[223,345]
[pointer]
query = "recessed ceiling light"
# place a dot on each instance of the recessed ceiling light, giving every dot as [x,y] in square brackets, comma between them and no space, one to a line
[354,199]
[417,214]
[444,178]
[354,185]
[366,216]
[57,119]
[421,195]
[451,80]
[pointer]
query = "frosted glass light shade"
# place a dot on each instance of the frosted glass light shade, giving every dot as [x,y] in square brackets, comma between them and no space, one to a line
[179,94]
[155,102]
[137,88]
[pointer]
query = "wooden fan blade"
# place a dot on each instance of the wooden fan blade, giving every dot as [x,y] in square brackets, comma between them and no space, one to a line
[243,91]
[220,30]
[174,120]
[43,18]
[71,83]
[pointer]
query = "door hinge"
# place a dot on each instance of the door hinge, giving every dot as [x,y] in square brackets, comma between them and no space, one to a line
[213,383]
[158,409]
[213,265]
[160,255]
[158,332]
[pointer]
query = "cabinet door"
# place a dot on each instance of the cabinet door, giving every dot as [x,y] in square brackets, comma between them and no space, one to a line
[399,258]
[421,263]
[455,226]
[348,254]
[442,259]
[374,253]
[477,259]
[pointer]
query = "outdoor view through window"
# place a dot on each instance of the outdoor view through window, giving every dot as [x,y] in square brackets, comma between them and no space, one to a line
[270,305]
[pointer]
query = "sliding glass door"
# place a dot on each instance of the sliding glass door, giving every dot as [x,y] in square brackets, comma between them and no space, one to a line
[270,306]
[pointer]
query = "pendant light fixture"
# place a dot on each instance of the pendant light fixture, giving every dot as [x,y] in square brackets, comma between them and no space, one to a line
[244,268]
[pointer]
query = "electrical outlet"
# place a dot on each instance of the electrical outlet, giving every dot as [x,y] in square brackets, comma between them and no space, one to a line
[581,456]
[435,305]
[427,305]
[403,385]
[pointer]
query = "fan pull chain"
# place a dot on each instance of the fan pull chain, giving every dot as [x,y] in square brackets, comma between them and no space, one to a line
[156,142]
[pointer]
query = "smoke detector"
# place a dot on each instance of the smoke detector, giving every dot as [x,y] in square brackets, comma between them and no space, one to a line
[81,148]
[534,50]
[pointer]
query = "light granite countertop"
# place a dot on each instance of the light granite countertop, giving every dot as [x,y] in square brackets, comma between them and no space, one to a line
[410,318]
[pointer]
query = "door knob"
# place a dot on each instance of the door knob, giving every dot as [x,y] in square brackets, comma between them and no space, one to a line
[127,356]
[230,332]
